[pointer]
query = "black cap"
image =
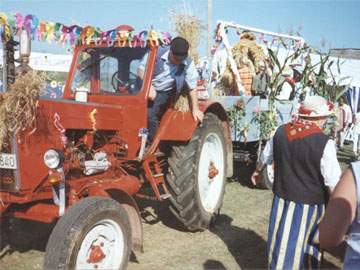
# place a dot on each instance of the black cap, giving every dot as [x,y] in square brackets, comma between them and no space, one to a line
[179,48]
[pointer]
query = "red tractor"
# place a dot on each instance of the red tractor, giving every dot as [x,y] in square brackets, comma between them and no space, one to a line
[86,161]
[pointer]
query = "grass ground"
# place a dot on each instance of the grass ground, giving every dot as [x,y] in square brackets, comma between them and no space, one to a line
[236,240]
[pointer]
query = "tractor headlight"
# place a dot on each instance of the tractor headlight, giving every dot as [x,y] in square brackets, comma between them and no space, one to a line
[52,158]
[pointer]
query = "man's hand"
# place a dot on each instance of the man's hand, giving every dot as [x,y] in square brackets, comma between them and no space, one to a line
[197,114]
[255,178]
[152,93]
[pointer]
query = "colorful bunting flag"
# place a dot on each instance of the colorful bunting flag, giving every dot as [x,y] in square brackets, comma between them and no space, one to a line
[122,36]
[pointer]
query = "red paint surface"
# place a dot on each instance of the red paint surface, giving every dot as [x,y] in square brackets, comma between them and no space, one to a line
[124,115]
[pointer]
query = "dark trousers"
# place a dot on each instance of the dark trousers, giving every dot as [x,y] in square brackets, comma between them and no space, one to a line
[156,109]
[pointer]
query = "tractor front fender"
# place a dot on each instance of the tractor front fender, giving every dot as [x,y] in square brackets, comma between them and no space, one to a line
[180,126]
[132,209]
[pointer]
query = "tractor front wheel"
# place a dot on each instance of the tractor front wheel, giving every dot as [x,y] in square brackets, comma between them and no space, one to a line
[94,233]
[197,175]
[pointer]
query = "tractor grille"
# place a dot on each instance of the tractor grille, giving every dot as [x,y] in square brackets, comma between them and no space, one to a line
[7,180]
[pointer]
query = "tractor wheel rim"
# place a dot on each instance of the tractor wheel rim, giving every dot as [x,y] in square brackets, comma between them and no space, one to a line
[103,247]
[210,185]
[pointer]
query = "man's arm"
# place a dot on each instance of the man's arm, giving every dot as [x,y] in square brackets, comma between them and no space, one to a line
[256,176]
[191,77]
[339,213]
[265,159]
[197,114]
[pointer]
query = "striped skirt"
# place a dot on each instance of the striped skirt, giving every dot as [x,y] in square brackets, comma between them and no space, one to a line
[293,235]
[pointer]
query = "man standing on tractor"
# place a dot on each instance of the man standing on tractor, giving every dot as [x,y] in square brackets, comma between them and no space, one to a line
[174,69]
[306,170]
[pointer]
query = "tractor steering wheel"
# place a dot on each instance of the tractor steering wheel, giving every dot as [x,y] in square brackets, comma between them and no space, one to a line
[116,82]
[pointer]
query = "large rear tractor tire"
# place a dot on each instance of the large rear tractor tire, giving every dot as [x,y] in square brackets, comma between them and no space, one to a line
[197,175]
[94,233]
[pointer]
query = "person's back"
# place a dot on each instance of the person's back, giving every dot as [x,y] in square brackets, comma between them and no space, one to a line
[342,219]
[299,147]
[305,168]
[348,113]
[352,257]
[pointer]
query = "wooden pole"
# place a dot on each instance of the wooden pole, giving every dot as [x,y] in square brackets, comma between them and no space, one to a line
[5,63]
[209,26]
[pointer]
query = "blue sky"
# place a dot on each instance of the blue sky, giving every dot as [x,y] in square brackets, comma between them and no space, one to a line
[336,22]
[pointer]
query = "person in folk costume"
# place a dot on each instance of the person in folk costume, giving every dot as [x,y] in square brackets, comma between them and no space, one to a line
[306,170]
[309,89]
[347,120]
[298,70]
[288,86]
[342,217]
[260,83]
[292,76]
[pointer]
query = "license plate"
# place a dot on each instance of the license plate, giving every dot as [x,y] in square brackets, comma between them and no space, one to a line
[8,161]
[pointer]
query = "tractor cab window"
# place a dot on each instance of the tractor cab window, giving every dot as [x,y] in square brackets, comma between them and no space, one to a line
[109,71]
[83,73]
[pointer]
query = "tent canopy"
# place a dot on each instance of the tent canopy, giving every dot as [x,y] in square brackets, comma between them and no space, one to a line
[46,61]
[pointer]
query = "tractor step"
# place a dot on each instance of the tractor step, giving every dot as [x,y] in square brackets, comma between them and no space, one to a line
[165,196]
[154,175]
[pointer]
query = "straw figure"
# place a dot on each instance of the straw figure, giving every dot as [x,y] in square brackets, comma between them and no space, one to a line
[247,55]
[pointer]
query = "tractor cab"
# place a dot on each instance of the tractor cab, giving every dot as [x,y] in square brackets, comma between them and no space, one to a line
[107,70]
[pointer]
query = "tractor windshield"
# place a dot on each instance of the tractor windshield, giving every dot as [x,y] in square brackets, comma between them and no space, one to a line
[108,70]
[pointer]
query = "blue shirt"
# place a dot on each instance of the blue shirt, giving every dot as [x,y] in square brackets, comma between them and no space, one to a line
[165,81]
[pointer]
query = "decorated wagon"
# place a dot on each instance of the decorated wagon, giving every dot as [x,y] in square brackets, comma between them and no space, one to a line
[261,80]
[255,80]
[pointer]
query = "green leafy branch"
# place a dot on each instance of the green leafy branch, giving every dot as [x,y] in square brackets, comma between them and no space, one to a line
[267,121]
[236,113]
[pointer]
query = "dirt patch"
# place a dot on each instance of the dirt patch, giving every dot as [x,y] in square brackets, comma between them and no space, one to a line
[235,241]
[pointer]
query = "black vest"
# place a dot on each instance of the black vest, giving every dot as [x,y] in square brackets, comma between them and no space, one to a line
[297,167]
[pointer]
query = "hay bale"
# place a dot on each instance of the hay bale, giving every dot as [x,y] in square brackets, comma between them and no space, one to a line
[190,28]
[18,105]
[182,103]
